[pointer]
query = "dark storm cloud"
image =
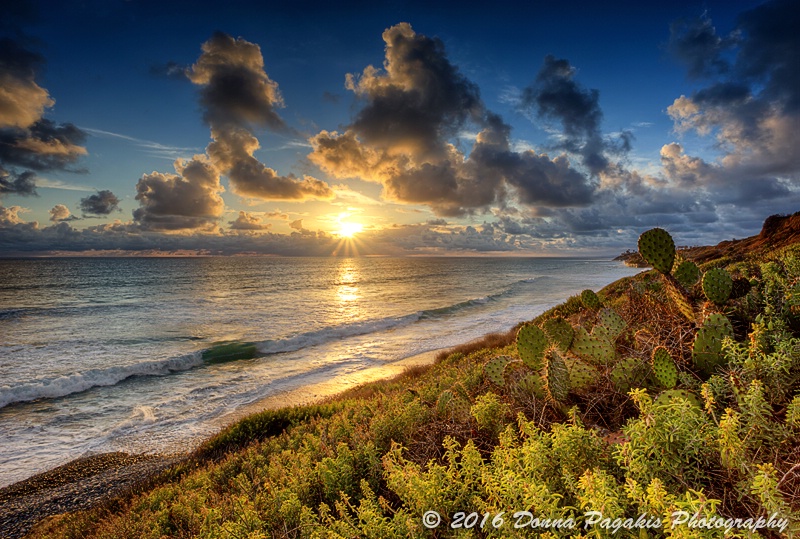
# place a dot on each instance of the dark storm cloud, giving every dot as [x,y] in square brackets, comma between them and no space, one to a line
[189,200]
[235,89]
[751,108]
[555,95]
[695,43]
[238,95]
[23,184]
[401,138]
[420,101]
[27,140]
[232,152]
[99,204]
[44,145]
[769,51]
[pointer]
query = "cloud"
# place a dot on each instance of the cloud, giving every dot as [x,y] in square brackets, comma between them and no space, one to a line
[27,140]
[751,107]
[60,213]
[247,221]
[9,216]
[232,152]
[12,183]
[695,43]
[297,225]
[238,95]
[555,95]
[235,89]
[401,138]
[99,204]
[186,201]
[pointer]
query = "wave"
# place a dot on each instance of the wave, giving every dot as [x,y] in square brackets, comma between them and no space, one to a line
[60,386]
[227,351]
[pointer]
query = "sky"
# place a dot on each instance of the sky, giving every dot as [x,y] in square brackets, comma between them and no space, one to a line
[393,128]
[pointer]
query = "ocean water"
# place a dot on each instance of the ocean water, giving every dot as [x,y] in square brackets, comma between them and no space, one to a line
[152,354]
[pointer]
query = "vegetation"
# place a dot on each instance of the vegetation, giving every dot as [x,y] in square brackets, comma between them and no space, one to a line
[667,405]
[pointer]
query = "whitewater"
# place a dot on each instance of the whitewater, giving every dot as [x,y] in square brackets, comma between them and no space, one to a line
[153,354]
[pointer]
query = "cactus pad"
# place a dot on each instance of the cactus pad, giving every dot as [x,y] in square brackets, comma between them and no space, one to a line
[494,369]
[598,350]
[615,323]
[679,297]
[454,403]
[687,274]
[581,375]
[717,285]
[531,343]
[664,368]
[707,351]
[590,300]
[627,374]
[531,384]
[441,404]
[665,397]
[658,249]
[560,332]
[555,376]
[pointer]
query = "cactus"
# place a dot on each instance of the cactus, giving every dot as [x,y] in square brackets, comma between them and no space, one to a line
[454,402]
[531,385]
[665,397]
[555,376]
[627,374]
[664,368]
[717,285]
[560,332]
[680,298]
[687,274]
[658,249]
[531,343]
[615,324]
[594,348]
[494,369]
[590,300]
[581,375]
[707,351]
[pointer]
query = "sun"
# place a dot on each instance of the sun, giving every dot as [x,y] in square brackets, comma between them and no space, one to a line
[348,230]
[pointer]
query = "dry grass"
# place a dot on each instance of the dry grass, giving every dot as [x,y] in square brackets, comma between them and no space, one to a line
[490,341]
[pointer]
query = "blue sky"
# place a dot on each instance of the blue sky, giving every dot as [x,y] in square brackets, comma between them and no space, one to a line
[557,128]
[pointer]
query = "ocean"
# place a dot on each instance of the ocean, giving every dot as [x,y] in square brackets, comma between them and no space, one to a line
[153,354]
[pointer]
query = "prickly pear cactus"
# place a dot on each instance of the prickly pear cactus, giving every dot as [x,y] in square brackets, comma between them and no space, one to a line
[555,376]
[494,369]
[581,375]
[627,374]
[454,403]
[678,296]
[531,344]
[687,274]
[668,396]
[707,351]
[664,368]
[560,332]
[531,384]
[658,249]
[717,285]
[596,349]
[441,404]
[615,324]
[590,300]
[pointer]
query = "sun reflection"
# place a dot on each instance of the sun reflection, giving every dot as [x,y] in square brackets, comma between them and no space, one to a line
[347,292]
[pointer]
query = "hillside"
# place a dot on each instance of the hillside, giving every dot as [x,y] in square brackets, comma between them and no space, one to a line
[665,405]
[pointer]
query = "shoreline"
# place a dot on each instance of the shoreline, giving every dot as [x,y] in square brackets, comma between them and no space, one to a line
[93,480]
